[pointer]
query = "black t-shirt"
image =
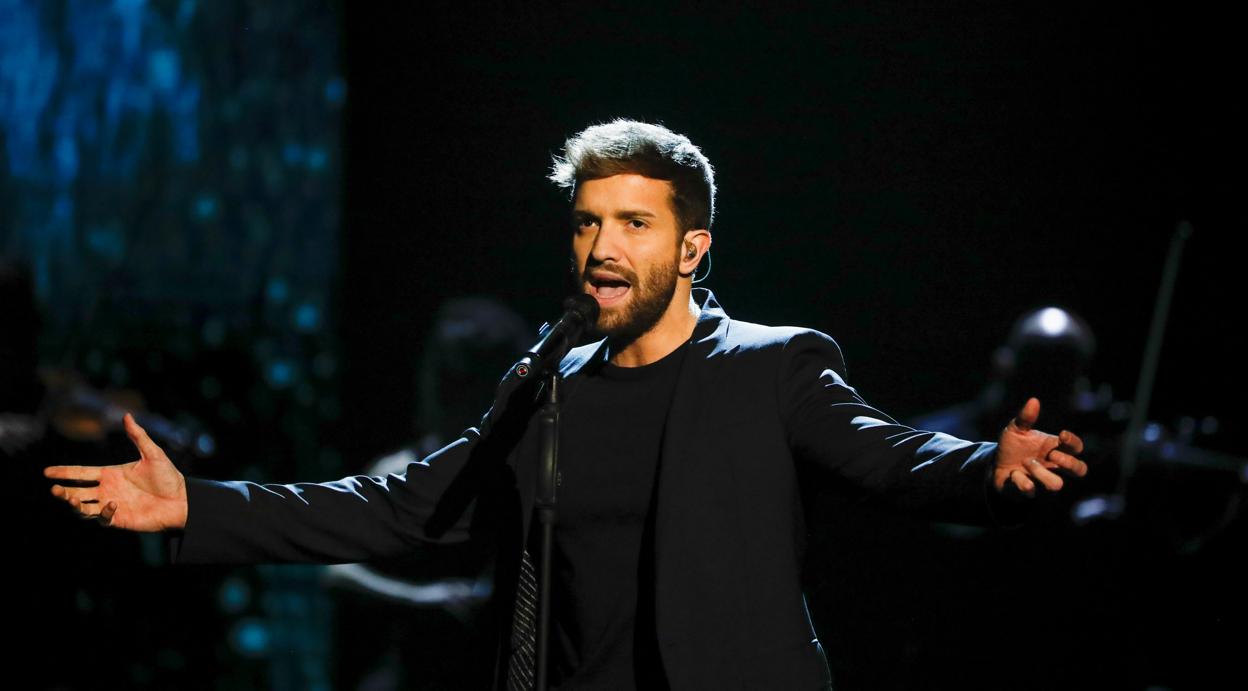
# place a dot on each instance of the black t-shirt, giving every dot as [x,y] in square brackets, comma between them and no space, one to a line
[602,602]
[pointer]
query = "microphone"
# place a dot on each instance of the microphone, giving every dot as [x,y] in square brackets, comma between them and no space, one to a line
[580,311]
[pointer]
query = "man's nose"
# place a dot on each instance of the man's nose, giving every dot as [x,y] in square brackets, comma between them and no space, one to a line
[606,245]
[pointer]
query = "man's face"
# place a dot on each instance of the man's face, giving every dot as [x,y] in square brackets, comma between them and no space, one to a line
[626,247]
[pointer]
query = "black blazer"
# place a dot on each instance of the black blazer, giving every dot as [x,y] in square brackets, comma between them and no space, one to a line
[758,413]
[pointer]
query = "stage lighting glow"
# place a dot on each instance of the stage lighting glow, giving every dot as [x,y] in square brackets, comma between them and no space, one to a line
[251,637]
[234,595]
[1054,321]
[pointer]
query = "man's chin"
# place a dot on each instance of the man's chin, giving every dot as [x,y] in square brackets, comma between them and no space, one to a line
[616,323]
[610,326]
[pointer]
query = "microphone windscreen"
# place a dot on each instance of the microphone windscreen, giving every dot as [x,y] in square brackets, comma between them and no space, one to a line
[582,305]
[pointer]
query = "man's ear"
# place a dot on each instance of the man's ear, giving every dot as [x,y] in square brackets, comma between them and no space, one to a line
[695,244]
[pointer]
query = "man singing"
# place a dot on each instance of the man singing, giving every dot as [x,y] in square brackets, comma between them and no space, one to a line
[679,541]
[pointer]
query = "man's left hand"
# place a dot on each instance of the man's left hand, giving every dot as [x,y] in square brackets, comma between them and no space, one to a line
[1027,457]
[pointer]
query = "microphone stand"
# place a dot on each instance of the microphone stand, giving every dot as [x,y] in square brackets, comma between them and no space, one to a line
[547,483]
[580,311]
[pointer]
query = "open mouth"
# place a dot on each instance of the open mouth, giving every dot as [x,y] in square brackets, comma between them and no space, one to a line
[608,289]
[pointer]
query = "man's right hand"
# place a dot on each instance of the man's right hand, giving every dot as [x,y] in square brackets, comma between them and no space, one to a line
[147,495]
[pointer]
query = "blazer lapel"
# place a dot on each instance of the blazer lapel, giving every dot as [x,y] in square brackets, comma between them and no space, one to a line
[696,519]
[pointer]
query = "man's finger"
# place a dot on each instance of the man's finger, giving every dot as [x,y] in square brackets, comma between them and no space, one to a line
[1051,480]
[1061,459]
[1022,482]
[106,514]
[1071,441]
[85,509]
[1027,417]
[1048,443]
[81,494]
[83,473]
[138,435]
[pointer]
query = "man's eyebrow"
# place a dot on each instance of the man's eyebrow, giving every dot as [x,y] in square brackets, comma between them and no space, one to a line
[582,214]
[633,213]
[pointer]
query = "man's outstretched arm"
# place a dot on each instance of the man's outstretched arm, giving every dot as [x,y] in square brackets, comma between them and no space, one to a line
[930,473]
[352,519]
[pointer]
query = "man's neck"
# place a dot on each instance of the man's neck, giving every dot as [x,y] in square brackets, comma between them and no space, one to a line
[672,330]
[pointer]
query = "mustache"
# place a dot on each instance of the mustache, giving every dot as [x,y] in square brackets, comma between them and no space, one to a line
[616,269]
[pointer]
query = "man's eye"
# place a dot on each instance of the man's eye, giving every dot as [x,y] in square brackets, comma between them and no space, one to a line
[637,223]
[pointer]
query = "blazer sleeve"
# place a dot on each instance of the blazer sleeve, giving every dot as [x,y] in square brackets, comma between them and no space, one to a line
[353,519]
[829,425]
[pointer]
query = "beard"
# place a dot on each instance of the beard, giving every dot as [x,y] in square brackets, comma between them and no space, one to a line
[649,298]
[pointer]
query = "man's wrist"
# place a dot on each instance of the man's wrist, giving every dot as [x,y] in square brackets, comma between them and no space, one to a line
[181,508]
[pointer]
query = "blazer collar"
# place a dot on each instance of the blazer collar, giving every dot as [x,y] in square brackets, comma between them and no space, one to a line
[713,317]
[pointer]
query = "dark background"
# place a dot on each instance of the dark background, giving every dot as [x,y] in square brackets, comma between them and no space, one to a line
[908,178]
